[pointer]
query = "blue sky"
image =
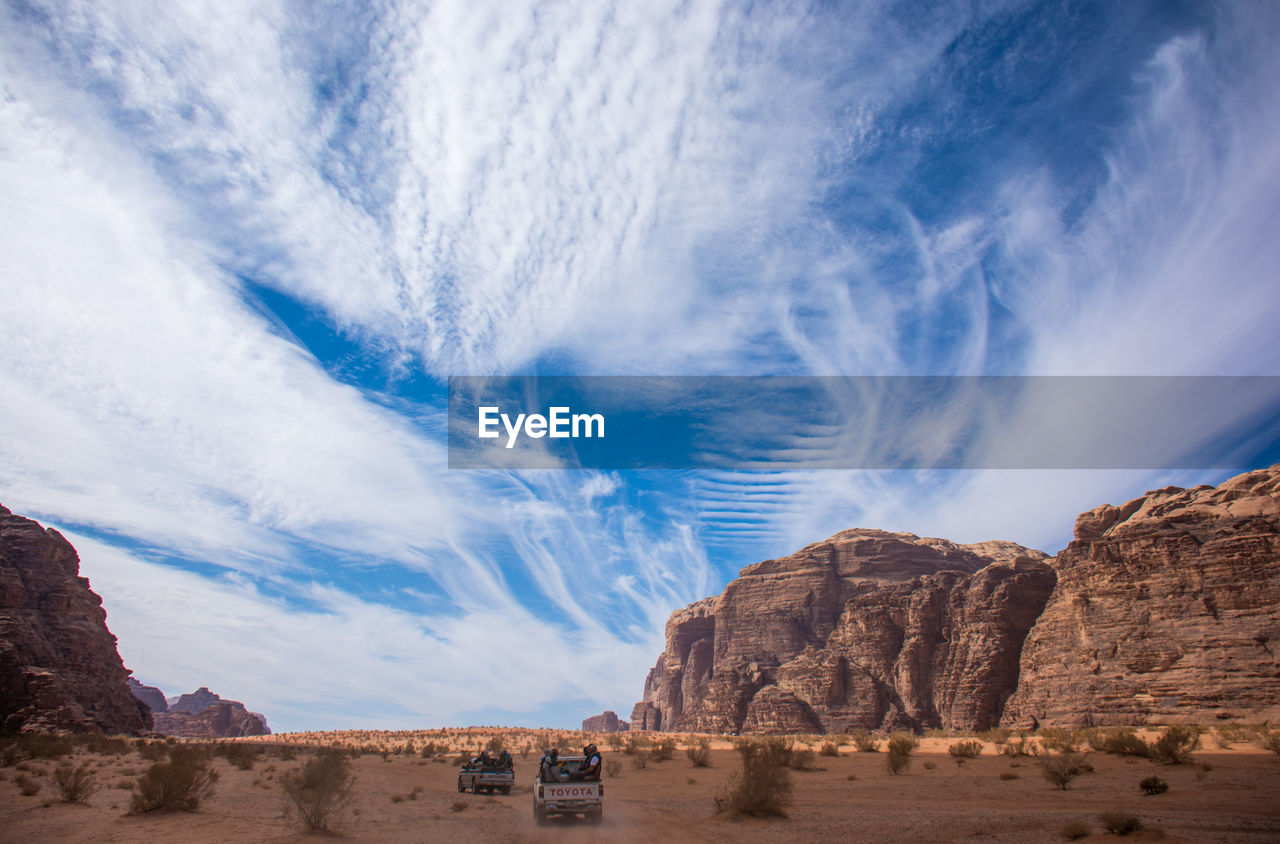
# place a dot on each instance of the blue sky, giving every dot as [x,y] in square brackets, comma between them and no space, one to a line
[244,245]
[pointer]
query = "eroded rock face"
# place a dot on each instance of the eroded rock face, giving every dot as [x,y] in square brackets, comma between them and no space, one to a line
[150,695]
[222,719]
[203,714]
[867,629]
[1167,609]
[605,722]
[59,667]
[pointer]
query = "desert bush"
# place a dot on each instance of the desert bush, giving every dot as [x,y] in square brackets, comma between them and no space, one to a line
[1019,745]
[763,786]
[839,739]
[700,754]
[1120,823]
[614,740]
[1154,785]
[965,750]
[240,754]
[1075,830]
[103,745]
[1270,741]
[153,751]
[180,783]
[1062,769]
[829,749]
[901,746]
[664,750]
[286,753]
[496,744]
[866,743]
[613,767]
[43,745]
[458,805]
[636,744]
[25,784]
[800,758]
[1059,740]
[1008,775]
[1119,741]
[640,759]
[75,783]
[929,766]
[320,789]
[995,735]
[1175,745]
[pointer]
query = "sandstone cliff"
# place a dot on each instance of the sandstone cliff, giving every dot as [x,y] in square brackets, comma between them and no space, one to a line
[605,722]
[221,719]
[59,667]
[150,695]
[1167,609]
[867,629]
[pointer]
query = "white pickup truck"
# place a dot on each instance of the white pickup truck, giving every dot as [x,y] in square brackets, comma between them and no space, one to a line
[559,794]
[479,775]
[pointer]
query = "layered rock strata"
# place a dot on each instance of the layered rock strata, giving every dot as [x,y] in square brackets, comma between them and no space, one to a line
[605,722]
[868,629]
[59,667]
[1167,610]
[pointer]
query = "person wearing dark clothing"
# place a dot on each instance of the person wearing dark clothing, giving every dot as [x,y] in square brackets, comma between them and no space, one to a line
[505,762]
[591,764]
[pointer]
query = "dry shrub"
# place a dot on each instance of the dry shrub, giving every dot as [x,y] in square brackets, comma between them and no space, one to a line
[639,759]
[1175,745]
[1154,785]
[865,742]
[1062,769]
[1270,741]
[700,754]
[181,783]
[320,789]
[1120,741]
[1020,745]
[995,735]
[458,805]
[75,783]
[28,786]
[1120,823]
[613,767]
[1008,775]
[965,750]
[286,753]
[763,786]
[1059,740]
[636,744]
[829,749]
[240,754]
[901,746]
[664,750]
[1076,830]
[43,745]
[800,758]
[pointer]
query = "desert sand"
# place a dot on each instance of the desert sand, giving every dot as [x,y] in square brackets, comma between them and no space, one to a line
[1224,794]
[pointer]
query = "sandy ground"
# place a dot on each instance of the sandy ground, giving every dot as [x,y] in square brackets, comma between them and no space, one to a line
[1225,795]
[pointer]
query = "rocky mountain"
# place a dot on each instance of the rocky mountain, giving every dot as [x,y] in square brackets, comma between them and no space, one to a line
[220,719]
[201,714]
[150,695]
[1165,609]
[868,629]
[59,667]
[605,722]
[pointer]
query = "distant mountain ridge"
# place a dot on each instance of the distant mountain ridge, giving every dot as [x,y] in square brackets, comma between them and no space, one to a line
[201,714]
[1165,609]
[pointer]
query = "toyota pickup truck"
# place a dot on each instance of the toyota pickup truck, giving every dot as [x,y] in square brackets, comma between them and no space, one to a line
[558,794]
[479,775]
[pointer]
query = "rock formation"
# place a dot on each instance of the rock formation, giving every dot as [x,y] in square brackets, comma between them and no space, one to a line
[203,714]
[150,695]
[221,719]
[605,722]
[1167,609]
[868,629]
[59,667]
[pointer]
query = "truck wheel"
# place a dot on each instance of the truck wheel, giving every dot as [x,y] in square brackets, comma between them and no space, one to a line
[506,789]
[539,813]
[461,787]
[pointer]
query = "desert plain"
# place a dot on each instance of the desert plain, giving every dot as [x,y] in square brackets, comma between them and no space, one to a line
[1225,792]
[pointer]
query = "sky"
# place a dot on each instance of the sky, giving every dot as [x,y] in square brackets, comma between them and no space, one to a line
[244,245]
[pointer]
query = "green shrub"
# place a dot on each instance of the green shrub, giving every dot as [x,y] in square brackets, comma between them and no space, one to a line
[763,786]
[1120,823]
[1154,785]
[320,789]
